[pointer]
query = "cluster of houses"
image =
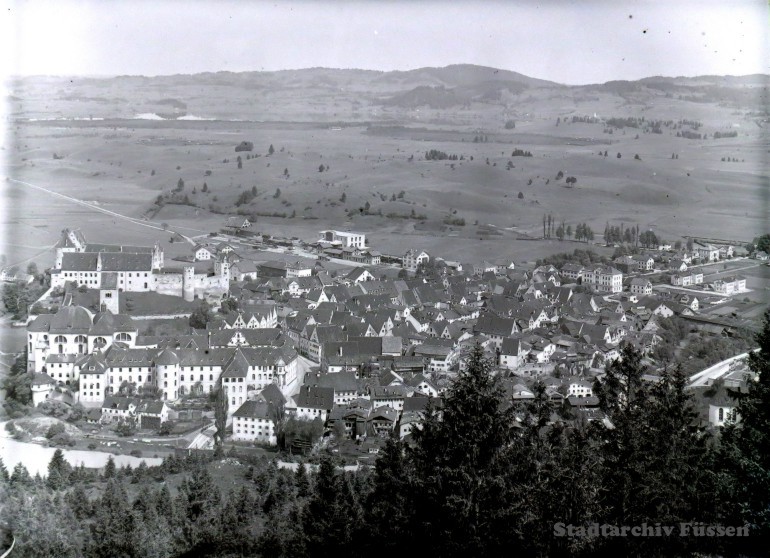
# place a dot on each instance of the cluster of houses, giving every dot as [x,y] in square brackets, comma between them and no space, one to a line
[384,346]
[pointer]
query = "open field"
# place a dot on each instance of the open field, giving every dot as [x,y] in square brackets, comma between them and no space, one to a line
[371,144]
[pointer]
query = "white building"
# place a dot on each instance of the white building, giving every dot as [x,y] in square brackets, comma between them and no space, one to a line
[604,279]
[730,285]
[254,421]
[413,258]
[344,239]
[640,286]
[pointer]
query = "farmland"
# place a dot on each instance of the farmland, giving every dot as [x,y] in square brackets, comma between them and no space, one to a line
[355,158]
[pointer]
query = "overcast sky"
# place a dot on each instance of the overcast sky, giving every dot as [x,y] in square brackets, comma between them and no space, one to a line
[571,42]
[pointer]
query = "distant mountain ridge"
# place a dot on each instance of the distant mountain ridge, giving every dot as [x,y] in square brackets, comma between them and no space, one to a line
[354,94]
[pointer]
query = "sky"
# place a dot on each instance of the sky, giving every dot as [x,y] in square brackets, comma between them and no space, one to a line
[572,42]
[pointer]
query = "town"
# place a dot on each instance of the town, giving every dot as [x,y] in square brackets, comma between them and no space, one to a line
[373,279]
[331,335]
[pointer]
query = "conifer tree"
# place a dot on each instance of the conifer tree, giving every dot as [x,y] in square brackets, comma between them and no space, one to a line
[20,476]
[109,468]
[220,415]
[58,471]
[457,489]
[745,451]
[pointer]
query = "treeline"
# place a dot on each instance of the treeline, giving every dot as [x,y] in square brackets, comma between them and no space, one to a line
[689,135]
[578,256]
[617,234]
[520,153]
[483,477]
[436,155]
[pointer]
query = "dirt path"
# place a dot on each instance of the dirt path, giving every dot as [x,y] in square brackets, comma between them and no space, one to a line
[94,207]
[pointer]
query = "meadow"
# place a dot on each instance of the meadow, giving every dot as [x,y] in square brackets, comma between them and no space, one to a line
[364,167]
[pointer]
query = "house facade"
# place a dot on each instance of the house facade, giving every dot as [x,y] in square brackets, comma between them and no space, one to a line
[343,238]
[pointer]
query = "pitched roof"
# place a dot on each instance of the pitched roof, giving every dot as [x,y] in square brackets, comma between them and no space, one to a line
[255,409]
[125,262]
[77,261]
[312,397]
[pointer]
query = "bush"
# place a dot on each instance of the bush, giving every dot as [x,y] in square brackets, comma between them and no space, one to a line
[136,453]
[92,446]
[62,439]
[54,430]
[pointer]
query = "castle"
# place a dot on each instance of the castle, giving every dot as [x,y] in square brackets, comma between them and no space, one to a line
[117,268]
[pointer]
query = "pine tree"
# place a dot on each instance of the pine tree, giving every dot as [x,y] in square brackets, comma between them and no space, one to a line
[746,446]
[301,481]
[220,415]
[4,476]
[653,457]
[324,518]
[20,476]
[458,490]
[388,510]
[109,468]
[200,506]
[113,529]
[58,471]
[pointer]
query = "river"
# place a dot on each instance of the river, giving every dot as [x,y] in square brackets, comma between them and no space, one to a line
[36,458]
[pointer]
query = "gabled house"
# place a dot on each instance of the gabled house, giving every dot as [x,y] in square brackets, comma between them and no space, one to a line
[314,402]
[202,253]
[255,421]
[495,328]
[640,286]
[513,352]
[357,275]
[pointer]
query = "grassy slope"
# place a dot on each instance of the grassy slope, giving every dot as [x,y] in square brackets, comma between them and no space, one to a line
[111,164]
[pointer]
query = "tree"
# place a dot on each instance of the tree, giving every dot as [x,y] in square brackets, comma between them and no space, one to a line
[745,451]
[653,457]
[32,269]
[320,168]
[18,383]
[109,468]
[388,508]
[15,300]
[115,524]
[220,415]
[20,476]
[180,185]
[228,305]
[569,231]
[271,150]
[560,232]
[343,197]
[458,487]
[58,471]
[205,188]
[618,154]
[763,243]
[200,316]
[521,195]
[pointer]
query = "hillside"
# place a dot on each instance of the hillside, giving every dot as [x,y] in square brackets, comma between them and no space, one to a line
[683,155]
